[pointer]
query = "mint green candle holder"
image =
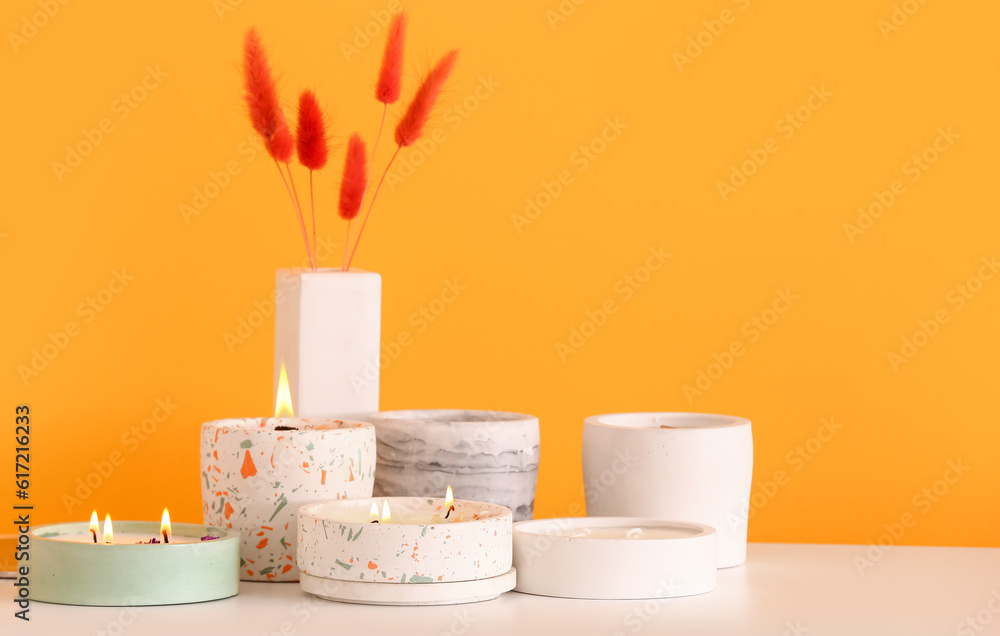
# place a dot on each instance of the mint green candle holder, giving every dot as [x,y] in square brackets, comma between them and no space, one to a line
[68,567]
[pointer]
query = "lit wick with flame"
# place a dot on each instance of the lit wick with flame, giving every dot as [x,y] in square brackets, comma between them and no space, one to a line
[94,525]
[374,512]
[109,533]
[165,526]
[386,515]
[283,400]
[449,500]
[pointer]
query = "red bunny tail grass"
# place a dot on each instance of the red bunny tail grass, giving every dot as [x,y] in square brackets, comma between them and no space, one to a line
[281,145]
[310,135]
[412,124]
[352,186]
[391,73]
[260,92]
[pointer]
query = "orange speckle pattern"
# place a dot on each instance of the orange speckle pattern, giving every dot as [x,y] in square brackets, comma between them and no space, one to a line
[249,468]
[285,569]
[228,511]
[263,542]
[322,478]
[372,565]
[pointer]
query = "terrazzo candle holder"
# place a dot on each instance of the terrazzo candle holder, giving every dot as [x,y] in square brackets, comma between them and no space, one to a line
[347,553]
[483,455]
[679,466]
[255,477]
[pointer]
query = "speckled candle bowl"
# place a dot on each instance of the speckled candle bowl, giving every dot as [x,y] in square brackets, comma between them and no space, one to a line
[66,568]
[254,478]
[483,455]
[337,540]
[680,466]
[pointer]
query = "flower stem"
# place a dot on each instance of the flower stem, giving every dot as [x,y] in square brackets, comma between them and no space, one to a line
[298,211]
[372,204]
[312,206]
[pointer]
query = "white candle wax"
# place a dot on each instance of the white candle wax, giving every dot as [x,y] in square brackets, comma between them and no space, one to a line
[124,538]
[622,532]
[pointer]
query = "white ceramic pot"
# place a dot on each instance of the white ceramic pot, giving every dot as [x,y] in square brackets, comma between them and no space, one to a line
[483,455]
[255,477]
[614,558]
[676,466]
[326,331]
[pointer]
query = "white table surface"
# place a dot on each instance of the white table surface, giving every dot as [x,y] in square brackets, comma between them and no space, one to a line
[782,590]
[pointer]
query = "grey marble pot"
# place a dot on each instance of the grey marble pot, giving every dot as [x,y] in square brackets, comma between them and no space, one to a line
[487,456]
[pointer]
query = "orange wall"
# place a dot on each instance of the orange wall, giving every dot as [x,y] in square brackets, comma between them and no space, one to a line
[867,99]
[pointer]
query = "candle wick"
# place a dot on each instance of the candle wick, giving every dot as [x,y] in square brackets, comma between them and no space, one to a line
[94,532]
[374,520]
[165,539]
[450,510]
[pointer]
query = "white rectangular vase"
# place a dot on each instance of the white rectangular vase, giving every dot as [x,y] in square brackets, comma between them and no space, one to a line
[327,333]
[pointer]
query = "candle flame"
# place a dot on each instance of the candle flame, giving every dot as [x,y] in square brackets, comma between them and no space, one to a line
[109,533]
[449,498]
[165,526]
[386,515]
[283,401]
[94,525]
[374,512]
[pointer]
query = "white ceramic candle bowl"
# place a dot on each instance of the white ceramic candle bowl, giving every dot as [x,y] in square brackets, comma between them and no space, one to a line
[254,478]
[614,558]
[483,455]
[678,466]
[337,540]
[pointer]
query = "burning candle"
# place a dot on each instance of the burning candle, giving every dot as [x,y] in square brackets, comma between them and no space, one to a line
[257,472]
[412,543]
[129,563]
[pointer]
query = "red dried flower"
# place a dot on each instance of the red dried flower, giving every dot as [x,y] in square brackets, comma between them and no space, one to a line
[412,124]
[391,73]
[355,179]
[310,136]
